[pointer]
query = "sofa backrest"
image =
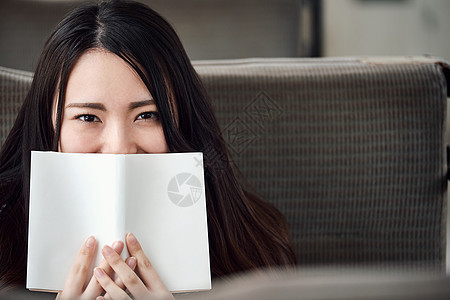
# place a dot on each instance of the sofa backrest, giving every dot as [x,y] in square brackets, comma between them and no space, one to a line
[351,151]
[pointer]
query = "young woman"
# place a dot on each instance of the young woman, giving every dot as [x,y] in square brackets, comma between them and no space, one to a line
[114,78]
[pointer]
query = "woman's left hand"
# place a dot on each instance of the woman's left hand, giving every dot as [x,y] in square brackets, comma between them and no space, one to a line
[146,286]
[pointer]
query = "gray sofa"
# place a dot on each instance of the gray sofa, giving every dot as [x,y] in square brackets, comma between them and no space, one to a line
[351,150]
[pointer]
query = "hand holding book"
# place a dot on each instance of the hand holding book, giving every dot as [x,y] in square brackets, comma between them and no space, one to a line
[76,286]
[158,197]
[146,286]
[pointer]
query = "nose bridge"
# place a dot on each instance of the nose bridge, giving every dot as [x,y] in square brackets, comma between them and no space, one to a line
[117,139]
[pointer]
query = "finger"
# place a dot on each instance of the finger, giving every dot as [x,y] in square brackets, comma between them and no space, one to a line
[146,271]
[94,288]
[129,278]
[109,286]
[77,276]
[131,262]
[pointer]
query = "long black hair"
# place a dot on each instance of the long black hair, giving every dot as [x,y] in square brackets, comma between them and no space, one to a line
[244,231]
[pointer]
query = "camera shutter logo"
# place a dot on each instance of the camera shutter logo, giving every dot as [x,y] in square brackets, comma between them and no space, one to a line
[184,189]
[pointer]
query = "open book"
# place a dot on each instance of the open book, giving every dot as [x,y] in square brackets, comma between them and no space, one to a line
[160,198]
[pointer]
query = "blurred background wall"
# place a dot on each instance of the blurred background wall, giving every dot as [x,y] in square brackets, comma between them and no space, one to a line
[219,29]
[209,29]
[389,27]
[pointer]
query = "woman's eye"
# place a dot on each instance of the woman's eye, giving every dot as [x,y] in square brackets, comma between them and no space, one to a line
[148,115]
[88,118]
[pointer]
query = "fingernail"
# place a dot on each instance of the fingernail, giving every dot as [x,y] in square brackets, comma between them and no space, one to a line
[99,272]
[131,262]
[90,242]
[117,245]
[107,250]
[132,239]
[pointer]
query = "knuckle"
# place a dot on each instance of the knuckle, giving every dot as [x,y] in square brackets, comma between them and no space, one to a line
[85,251]
[80,269]
[147,264]
[114,259]
[103,264]
[131,280]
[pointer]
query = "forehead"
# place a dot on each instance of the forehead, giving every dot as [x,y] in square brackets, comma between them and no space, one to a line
[100,76]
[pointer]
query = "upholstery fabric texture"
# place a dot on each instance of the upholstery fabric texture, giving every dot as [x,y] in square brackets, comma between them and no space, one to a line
[14,85]
[350,151]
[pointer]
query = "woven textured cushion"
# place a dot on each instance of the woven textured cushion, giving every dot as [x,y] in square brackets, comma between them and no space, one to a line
[14,86]
[350,151]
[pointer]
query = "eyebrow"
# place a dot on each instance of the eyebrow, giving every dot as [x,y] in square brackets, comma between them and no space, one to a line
[134,105]
[97,106]
[100,106]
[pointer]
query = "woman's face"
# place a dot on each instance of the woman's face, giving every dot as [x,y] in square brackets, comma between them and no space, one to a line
[108,109]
